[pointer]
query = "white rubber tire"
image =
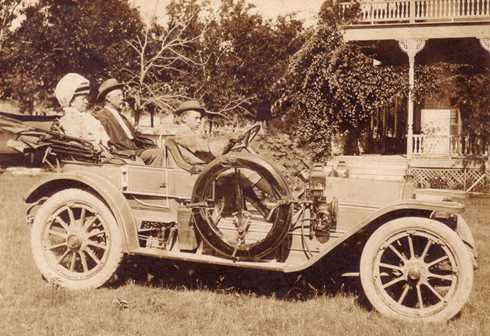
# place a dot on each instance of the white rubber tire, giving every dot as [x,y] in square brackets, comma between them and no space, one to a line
[56,273]
[444,235]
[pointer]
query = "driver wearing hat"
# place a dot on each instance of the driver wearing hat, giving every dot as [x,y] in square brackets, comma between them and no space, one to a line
[123,136]
[189,116]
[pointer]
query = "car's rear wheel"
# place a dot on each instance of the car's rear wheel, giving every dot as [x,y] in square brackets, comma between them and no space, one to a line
[416,268]
[75,240]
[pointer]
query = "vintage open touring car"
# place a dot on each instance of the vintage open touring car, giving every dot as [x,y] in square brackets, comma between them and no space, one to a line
[417,256]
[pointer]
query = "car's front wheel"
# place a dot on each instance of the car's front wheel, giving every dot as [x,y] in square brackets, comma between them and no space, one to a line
[416,268]
[75,240]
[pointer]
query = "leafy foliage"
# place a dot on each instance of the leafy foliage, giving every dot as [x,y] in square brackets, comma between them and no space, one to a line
[464,87]
[161,56]
[231,58]
[239,56]
[472,96]
[9,10]
[333,88]
[57,37]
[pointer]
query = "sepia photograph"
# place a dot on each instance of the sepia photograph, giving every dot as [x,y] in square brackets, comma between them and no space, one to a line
[244,167]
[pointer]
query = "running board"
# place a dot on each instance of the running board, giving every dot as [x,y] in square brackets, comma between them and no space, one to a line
[269,265]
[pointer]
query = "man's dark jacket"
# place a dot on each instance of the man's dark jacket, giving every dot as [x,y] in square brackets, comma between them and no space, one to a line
[118,136]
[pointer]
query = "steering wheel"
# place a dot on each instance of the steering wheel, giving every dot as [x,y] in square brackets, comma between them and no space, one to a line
[245,138]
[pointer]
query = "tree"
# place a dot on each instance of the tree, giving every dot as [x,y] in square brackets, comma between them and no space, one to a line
[59,36]
[257,55]
[238,56]
[160,52]
[332,88]
[472,97]
[9,10]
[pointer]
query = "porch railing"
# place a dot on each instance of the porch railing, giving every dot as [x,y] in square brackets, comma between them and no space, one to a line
[412,11]
[453,146]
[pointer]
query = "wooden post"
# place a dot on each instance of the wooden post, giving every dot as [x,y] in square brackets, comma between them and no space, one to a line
[383,137]
[411,48]
[395,120]
[412,11]
[485,43]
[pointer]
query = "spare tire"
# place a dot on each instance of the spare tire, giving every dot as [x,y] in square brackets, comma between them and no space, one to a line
[230,217]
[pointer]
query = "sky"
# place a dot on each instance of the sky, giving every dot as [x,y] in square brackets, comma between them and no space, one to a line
[305,9]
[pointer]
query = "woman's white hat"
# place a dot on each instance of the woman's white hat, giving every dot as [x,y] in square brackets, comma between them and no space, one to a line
[71,85]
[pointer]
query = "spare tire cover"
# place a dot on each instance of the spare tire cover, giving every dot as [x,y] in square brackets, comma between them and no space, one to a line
[280,220]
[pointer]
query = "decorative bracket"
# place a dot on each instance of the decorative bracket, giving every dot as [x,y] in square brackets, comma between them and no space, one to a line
[412,46]
[485,43]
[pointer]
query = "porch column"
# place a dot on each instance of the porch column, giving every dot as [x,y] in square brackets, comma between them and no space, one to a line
[411,47]
[485,43]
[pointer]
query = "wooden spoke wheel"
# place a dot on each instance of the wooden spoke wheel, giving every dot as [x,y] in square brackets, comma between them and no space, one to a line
[75,240]
[416,269]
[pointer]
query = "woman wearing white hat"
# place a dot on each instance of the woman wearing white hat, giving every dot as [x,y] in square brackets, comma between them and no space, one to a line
[72,92]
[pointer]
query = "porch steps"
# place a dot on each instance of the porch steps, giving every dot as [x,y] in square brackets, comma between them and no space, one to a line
[375,167]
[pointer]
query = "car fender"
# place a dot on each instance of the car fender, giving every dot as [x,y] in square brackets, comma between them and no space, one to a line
[100,186]
[466,235]
[396,210]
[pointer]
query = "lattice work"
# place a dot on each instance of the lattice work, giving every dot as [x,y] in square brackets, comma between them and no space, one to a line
[451,178]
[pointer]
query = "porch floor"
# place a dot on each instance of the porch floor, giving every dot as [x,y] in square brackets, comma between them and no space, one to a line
[380,160]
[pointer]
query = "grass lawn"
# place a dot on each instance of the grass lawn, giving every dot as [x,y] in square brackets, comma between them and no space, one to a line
[171,300]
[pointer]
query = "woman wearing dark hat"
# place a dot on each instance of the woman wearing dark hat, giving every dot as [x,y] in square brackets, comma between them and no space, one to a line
[123,136]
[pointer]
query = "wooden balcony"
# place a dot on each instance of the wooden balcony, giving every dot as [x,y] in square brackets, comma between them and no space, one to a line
[421,11]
